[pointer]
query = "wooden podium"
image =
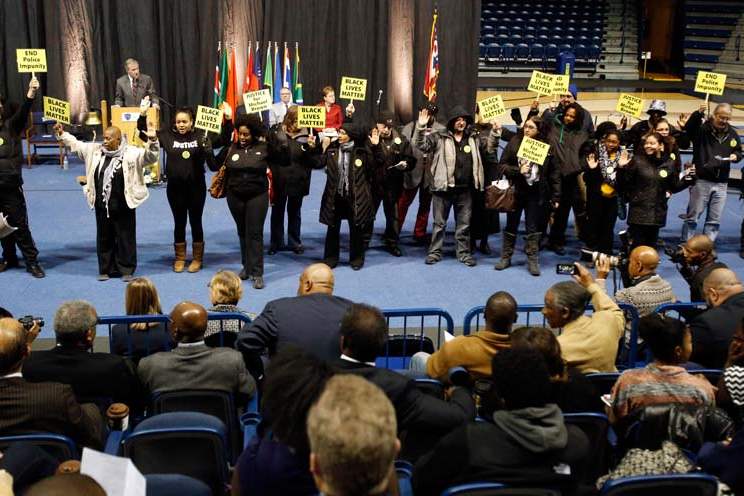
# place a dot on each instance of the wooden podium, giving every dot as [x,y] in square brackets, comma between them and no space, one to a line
[125,118]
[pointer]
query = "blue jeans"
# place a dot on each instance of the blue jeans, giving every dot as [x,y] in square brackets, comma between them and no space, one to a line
[705,196]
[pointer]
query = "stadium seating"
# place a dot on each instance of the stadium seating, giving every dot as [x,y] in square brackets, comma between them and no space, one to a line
[60,447]
[653,485]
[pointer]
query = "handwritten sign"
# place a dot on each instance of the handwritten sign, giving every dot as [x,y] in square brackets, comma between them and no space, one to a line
[560,84]
[541,83]
[31,59]
[208,119]
[491,107]
[630,105]
[710,82]
[533,150]
[353,88]
[257,101]
[56,110]
[309,116]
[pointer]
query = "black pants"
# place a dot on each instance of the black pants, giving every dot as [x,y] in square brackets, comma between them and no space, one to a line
[356,234]
[601,217]
[534,212]
[483,222]
[249,214]
[389,198]
[186,199]
[570,198]
[293,206]
[643,235]
[116,241]
[13,206]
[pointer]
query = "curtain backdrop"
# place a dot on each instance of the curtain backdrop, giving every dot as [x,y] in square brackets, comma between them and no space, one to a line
[175,42]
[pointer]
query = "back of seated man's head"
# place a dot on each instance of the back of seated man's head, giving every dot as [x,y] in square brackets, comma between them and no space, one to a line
[316,278]
[66,485]
[188,322]
[75,324]
[521,378]
[500,312]
[543,340]
[14,347]
[363,332]
[352,431]
[720,285]
[643,261]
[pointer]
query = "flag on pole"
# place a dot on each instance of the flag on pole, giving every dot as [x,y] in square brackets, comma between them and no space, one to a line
[256,74]
[296,81]
[277,73]
[221,82]
[216,93]
[231,94]
[432,68]
[268,72]
[287,70]
[248,69]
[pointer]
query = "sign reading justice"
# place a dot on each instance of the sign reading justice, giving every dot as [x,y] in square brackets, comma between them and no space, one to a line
[257,101]
[353,88]
[630,105]
[208,119]
[533,150]
[310,116]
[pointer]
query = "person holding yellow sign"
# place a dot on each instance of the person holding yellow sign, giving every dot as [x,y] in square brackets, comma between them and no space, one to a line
[186,153]
[715,147]
[12,201]
[538,189]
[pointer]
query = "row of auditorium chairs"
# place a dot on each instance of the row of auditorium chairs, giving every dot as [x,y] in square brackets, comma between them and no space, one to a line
[509,54]
[537,31]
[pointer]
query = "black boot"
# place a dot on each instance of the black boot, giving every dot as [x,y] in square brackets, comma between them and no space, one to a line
[532,250]
[508,241]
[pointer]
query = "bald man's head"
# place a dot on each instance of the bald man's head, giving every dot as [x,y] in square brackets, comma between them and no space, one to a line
[14,347]
[112,138]
[316,278]
[189,322]
[643,261]
[720,285]
[698,249]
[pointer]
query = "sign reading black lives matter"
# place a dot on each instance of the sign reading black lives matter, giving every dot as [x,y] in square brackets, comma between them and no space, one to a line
[208,119]
[353,88]
[310,116]
[56,110]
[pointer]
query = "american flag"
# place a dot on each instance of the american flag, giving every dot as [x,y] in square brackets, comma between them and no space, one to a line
[432,68]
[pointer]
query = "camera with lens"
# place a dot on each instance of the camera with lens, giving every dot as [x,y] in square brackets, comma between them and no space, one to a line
[27,321]
[676,254]
[593,256]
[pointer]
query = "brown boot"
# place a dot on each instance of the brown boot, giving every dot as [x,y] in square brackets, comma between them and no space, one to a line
[196,263]
[180,262]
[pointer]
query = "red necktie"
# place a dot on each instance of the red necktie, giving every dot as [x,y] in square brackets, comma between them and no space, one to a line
[134,90]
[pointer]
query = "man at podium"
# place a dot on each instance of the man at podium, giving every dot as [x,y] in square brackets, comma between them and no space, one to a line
[133,86]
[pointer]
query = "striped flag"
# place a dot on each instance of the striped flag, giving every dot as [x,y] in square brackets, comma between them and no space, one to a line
[257,74]
[231,93]
[216,94]
[277,73]
[432,68]
[286,69]
[268,71]
[296,81]
[248,69]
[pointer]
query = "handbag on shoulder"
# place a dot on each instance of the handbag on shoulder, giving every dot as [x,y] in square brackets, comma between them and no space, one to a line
[217,186]
[501,196]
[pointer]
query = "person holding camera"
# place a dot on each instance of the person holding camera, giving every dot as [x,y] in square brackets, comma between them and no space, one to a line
[696,259]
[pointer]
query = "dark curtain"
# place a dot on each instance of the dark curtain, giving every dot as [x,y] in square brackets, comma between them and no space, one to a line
[22,26]
[336,39]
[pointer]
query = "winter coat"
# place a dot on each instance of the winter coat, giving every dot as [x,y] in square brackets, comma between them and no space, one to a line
[422,171]
[566,143]
[11,152]
[550,174]
[395,149]
[707,143]
[293,167]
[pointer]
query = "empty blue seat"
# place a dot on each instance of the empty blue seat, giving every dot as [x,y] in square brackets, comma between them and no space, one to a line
[551,51]
[565,47]
[580,52]
[688,484]
[175,485]
[522,51]
[595,52]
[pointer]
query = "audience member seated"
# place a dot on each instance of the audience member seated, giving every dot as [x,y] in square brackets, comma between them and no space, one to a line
[730,394]
[473,352]
[725,460]
[572,391]
[663,381]
[588,343]
[142,338]
[192,364]
[95,377]
[424,418]
[27,407]
[276,461]
[647,290]
[225,291]
[309,320]
[699,260]
[66,485]
[713,329]
[353,441]
[526,439]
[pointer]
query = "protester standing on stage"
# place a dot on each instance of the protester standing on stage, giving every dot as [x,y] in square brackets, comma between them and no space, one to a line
[387,181]
[419,179]
[247,190]
[186,151]
[133,86]
[114,187]
[291,182]
[600,176]
[12,201]
[538,189]
[565,99]
[673,141]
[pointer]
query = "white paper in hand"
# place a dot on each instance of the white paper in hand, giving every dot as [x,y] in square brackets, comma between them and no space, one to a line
[117,476]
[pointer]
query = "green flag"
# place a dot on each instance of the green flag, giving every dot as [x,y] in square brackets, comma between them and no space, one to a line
[221,91]
[268,81]
[296,81]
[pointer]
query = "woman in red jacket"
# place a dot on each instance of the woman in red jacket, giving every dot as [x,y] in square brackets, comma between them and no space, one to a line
[334,114]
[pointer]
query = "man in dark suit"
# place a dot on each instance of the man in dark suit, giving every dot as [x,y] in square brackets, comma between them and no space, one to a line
[91,375]
[423,417]
[192,364]
[133,86]
[309,321]
[27,407]
[713,329]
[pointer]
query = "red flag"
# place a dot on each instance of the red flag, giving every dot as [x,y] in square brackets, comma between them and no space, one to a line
[248,70]
[231,99]
[216,96]
[432,68]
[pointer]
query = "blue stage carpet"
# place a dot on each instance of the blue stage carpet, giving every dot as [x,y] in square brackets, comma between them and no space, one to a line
[64,230]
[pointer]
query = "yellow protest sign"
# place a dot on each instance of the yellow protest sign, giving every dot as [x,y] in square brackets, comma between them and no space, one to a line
[31,59]
[541,83]
[560,84]
[353,88]
[208,119]
[491,107]
[310,116]
[257,101]
[710,82]
[533,150]
[630,105]
[56,110]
